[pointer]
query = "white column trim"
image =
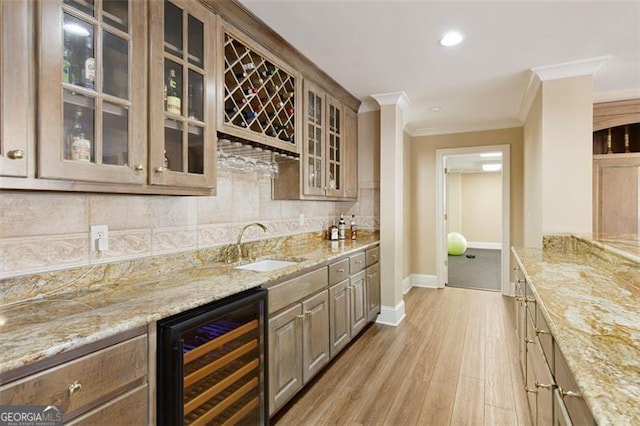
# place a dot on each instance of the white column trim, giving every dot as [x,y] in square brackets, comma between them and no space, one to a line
[391,315]
[393,98]
[571,69]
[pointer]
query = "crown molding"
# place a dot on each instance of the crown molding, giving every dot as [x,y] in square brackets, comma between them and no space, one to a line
[394,98]
[571,69]
[529,96]
[619,95]
[466,128]
[368,105]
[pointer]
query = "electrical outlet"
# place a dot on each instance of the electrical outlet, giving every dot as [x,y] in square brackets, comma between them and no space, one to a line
[100,237]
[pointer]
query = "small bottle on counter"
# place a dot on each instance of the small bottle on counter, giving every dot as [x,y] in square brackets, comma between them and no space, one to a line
[333,232]
[354,228]
[342,228]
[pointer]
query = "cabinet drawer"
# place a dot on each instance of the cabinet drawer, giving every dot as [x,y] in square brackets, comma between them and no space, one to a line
[130,408]
[545,339]
[373,255]
[288,292]
[101,375]
[338,271]
[356,263]
[576,407]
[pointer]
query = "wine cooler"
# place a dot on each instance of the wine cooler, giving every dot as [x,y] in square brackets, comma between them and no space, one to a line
[212,363]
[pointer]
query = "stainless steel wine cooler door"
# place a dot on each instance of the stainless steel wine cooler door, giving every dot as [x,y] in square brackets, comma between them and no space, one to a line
[212,363]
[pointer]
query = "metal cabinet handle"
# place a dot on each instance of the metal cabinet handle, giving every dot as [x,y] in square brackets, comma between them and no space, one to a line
[74,388]
[341,270]
[539,332]
[544,386]
[16,154]
[519,299]
[300,316]
[358,262]
[161,169]
[572,394]
[375,256]
[308,313]
[529,341]
[138,167]
[526,389]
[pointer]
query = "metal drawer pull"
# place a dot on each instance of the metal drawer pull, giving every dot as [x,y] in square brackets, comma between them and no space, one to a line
[375,256]
[358,262]
[341,270]
[519,299]
[138,167]
[544,386]
[16,154]
[539,332]
[308,313]
[74,388]
[529,341]
[300,316]
[161,169]
[526,389]
[572,394]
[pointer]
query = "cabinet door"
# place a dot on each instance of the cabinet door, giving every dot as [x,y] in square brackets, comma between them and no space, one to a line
[616,195]
[339,323]
[92,91]
[182,149]
[315,334]
[350,186]
[335,156]
[314,149]
[373,292]
[359,313]
[285,356]
[15,92]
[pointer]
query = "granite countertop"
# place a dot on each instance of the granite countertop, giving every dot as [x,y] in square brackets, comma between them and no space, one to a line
[94,303]
[589,294]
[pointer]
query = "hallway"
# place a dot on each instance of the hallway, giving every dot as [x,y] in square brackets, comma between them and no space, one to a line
[453,360]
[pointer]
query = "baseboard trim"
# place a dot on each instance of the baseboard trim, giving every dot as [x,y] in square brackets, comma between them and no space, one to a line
[423,280]
[390,315]
[481,245]
[406,285]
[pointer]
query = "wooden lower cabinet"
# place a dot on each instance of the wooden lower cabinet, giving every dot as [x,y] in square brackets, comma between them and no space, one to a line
[339,324]
[106,386]
[373,292]
[298,347]
[359,314]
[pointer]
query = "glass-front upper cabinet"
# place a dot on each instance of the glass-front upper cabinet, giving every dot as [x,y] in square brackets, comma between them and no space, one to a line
[314,136]
[15,93]
[182,151]
[335,148]
[92,90]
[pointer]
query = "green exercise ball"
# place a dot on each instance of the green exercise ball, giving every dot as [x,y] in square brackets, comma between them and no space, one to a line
[456,244]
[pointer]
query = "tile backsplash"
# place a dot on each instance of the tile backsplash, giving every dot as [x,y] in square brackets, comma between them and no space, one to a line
[42,231]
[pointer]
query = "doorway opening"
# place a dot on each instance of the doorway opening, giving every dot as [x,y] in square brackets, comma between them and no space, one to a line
[472,201]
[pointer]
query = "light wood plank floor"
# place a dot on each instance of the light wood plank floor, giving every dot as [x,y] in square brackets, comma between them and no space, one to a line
[452,361]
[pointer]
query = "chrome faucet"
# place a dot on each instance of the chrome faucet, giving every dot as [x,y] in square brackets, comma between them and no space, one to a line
[244,228]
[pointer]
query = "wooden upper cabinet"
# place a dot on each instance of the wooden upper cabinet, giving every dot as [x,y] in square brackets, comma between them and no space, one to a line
[256,93]
[314,150]
[350,186]
[15,92]
[91,96]
[182,148]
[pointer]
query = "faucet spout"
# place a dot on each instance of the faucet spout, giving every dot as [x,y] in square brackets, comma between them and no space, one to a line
[241,233]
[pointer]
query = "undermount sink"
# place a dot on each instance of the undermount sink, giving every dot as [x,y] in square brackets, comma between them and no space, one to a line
[266,265]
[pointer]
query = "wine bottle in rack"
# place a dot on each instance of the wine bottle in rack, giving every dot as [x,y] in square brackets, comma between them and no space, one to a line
[241,75]
[174,103]
[248,66]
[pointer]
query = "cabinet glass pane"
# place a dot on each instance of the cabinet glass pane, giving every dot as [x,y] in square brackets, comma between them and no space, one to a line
[115,131]
[312,172]
[195,98]
[172,29]
[337,148]
[173,87]
[196,150]
[116,13]
[78,61]
[196,41]
[85,6]
[318,173]
[115,65]
[318,143]
[173,144]
[79,134]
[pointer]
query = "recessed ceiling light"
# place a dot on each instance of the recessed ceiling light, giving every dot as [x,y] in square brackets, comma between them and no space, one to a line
[491,154]
[451,39]
[491,167]
[435,109]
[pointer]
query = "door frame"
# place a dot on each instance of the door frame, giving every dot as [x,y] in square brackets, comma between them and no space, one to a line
[441,238]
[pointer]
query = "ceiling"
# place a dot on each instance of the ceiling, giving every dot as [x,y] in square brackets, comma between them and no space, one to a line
[471,163]
[376,47]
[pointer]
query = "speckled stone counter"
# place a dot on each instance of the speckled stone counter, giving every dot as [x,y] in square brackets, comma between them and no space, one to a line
[48,314]
[589,294]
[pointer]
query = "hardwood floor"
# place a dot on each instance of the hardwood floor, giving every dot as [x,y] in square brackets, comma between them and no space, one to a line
[452,361]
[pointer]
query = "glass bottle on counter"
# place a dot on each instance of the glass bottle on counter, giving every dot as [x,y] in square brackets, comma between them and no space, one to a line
[342,228]
[78,147]
[354,228]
